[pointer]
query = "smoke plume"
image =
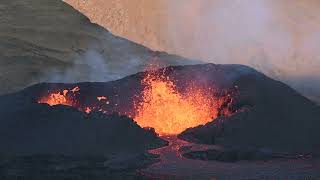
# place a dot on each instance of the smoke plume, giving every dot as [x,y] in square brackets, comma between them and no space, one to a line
[90,66]
[279,38]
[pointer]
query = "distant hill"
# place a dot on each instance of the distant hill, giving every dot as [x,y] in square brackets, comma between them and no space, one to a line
[48,40]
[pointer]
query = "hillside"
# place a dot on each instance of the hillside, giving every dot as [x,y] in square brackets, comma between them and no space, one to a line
[48,40]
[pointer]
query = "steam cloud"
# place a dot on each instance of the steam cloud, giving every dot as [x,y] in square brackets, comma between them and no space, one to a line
[91,66]
[281,38]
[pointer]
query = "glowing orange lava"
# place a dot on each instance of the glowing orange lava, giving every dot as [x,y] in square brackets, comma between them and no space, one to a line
[76,89]
[59,98]
[103,98]
[171,112]
[87,110]
[68,97]
[100,98]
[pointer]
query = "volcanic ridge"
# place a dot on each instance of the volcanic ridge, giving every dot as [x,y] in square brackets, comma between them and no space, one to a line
[247,110]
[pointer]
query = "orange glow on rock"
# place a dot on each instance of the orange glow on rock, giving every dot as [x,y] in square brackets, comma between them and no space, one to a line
[87,110]
[68,98]
[76,89]
[57,98]
[100,98]
[171,112]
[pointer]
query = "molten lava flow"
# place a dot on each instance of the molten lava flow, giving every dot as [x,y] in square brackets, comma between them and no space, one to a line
[76,89]
[169,111]
[59,98]
[69,98]
[103,98]
[87,110]
[100,98]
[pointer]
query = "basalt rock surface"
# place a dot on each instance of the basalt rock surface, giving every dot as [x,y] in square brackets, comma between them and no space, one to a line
[269,115]
[33,129]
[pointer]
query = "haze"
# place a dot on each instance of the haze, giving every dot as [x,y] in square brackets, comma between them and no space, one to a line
[278,37]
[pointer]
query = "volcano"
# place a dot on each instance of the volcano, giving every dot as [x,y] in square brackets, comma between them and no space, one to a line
[229,105]
[166,99]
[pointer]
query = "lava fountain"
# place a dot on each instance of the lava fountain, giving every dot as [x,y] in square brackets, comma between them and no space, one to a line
[59,97]
[169,111]
[68,97]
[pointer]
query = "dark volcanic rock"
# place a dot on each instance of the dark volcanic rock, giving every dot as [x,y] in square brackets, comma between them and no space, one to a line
[270,115]
[28,129]
[59,167]
[230,155]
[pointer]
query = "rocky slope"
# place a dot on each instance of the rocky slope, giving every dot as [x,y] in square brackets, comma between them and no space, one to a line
[48,40]
[33,129]
[278,37]
[270,116]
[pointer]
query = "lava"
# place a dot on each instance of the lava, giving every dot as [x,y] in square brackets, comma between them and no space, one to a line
[170,111]
[68,97]
[76,89]
[103,98]
[100,98]
[59,98]
[88,110]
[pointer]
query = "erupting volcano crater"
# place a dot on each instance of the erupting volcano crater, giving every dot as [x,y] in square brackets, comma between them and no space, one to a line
[168,100]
